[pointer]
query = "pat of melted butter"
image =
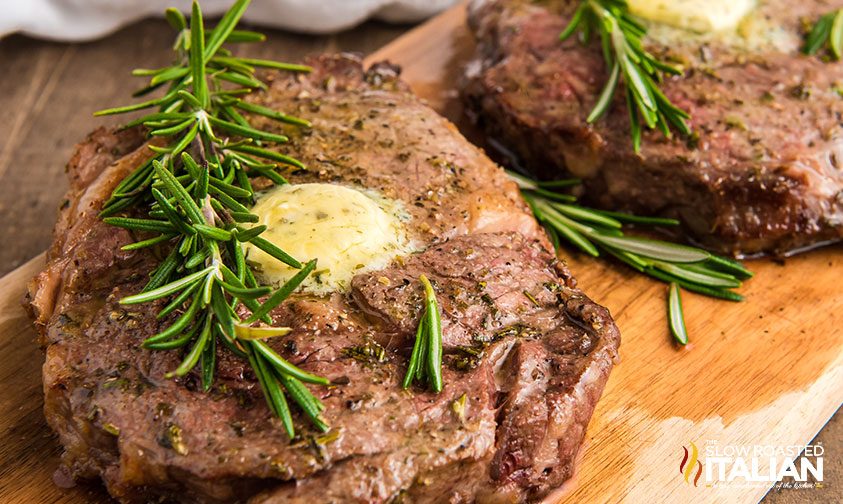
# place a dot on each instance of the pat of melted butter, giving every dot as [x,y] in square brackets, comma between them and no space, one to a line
[697,15]
[348,231]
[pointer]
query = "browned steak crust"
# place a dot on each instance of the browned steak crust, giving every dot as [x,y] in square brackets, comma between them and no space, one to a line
[522,373]
[766,174]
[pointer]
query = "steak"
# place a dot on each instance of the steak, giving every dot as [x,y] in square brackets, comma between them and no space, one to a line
[763,171]
[526,353]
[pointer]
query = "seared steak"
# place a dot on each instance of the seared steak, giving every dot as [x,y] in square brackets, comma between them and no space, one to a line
[526,353]
[766,171]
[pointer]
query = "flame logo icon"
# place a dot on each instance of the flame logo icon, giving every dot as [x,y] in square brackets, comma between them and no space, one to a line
[689,463]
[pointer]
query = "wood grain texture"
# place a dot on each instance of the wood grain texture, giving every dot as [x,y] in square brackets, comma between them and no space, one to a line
[766,371]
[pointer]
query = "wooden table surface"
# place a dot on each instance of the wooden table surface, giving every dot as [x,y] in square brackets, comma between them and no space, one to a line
[47,94]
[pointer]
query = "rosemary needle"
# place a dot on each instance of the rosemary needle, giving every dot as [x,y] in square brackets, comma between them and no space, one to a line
[195,190]
[426,358]
[676,317]
[828,30]
[595,231]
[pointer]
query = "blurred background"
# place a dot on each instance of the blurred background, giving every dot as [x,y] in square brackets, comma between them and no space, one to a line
[77,20]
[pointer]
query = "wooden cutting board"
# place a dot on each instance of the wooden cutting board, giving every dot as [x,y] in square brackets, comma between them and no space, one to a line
[768,371]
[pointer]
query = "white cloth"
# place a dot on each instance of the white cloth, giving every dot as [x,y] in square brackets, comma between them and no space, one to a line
[88,19]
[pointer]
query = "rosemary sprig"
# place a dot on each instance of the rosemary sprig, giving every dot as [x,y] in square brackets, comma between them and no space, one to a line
[426,358]
[676,315]
[195,191]
[623,51]
[828,31]
[595,231]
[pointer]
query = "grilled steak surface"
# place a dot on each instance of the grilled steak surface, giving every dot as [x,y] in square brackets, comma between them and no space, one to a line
[522,372]
[765,173]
